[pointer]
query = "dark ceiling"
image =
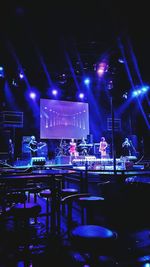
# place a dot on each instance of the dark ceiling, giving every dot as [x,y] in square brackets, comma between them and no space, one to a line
[59,35]
[48,38]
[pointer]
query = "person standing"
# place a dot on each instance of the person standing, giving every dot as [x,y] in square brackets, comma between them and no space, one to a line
[102,147]
[72,149]
[126,147]
[84,147]
[33,145]
[10,152]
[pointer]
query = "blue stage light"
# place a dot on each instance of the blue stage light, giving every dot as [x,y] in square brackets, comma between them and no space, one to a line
[32,95]
[87,81]
[2,72]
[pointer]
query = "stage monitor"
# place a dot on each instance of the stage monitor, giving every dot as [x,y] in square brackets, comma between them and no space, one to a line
[63,119]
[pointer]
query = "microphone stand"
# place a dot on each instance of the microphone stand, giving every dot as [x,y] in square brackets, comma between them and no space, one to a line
[133,147]
[113,139]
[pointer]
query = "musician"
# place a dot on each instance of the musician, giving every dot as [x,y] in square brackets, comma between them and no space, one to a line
[83,146]
[102,147]
[33,145]
[126,147]
[72,149]
[10,152]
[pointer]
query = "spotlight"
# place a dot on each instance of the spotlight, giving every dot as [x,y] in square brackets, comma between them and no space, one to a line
[120,60]
[140,91]
[81,95]
[87,81]
[102,68]
[14,83]
[125,95]
[2,72]
[54,92]
[110,85]
[21,75]
[32,95]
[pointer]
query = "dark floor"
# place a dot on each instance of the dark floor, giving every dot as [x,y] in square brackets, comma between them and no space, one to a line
[127,213]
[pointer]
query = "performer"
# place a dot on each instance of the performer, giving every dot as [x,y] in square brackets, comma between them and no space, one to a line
[33,145]
[126,147]
[10,152]
[83,146]
[72,149]
[102,147]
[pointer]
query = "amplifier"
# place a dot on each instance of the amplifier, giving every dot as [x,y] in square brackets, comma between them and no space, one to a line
[38,161]
[26,138]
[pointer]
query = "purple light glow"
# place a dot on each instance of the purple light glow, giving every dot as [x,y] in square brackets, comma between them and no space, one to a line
[102,68]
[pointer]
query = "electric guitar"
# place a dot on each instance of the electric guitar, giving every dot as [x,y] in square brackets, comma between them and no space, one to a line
[36,149]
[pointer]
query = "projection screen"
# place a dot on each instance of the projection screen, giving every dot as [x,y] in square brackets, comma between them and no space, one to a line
[63,119]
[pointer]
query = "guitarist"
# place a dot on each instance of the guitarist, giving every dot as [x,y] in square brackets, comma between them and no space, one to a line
[102,147]
[33,145]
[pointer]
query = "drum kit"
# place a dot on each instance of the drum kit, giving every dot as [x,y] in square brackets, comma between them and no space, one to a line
[62,149]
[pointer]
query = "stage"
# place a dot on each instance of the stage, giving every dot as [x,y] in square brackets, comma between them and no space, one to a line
[79,163]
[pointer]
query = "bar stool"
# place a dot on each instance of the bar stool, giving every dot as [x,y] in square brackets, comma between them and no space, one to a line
[94,241]
[96,244]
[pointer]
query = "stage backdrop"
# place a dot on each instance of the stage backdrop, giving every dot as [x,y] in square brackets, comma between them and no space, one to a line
[63,119]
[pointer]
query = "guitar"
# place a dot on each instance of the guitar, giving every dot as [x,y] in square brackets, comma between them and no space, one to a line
[36,149]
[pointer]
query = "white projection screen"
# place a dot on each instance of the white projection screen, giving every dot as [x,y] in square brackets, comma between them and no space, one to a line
[63,119]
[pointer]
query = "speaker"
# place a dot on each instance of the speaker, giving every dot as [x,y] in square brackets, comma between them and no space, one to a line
[26,138]
[38,161]
[25,143]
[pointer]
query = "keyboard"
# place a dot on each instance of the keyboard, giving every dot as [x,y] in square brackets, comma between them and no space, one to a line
[85,145]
